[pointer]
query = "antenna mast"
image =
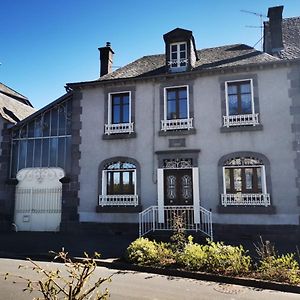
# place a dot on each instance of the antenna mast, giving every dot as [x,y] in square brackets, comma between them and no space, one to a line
[261,16]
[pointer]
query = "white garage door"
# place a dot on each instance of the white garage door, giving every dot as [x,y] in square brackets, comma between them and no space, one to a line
[38,199]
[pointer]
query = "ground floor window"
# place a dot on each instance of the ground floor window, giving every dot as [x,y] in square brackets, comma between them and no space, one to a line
[119,186]
[244,182]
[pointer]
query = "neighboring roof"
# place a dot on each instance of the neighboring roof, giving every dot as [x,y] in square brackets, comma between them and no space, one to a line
[210,58]
[291,38]
[13,110]
[4,89]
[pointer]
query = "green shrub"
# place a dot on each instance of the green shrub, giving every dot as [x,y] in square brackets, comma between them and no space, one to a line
[229,260]
[280,268]
[145,252]
[193,256]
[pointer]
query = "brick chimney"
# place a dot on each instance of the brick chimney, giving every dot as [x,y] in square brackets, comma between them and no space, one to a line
[273,42]
[106,59]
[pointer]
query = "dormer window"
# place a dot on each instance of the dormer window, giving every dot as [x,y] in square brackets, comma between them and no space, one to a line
[181,54]
[178,53]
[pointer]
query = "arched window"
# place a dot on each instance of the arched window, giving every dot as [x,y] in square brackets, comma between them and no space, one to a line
[244,182]
[119,187]
[120,178]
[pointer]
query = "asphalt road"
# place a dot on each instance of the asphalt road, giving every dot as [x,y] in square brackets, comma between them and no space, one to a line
[138,286]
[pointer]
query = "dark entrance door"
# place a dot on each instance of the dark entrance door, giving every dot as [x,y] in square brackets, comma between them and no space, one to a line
[178,187]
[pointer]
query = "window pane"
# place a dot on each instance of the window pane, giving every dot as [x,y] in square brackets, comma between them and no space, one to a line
[54,121]
[182,94]
[249,178]
[61,152]
[29,154]
[116,100]
[53,152]
[171,95]
[232,89]
[173,48]
[46,124]
[38,127]
[68,155]
[37,153]
[259,182]
[182,55]
[125,114]
[116,114]
[246,104]
[237,180]
[22,154]
[182,47]
[227,179]
[125,99]
[14,162]
[171,110]
[183,109]
[31,129]
[69,117]
[45,155]
[245,88]
[126,183]
[116,189]
[233,105]
[62,120]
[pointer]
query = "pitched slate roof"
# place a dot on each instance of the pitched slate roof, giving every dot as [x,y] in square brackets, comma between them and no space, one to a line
[13,106]
[291,37]
[210,58]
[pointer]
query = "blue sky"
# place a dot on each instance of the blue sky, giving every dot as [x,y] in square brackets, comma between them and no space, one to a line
[47,43]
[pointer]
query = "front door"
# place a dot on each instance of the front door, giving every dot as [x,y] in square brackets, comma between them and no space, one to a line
[178,187]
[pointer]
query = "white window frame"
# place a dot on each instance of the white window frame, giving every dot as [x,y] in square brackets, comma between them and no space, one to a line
[178,55]
[111,128]
[176,123]
[237,120]
[264,195]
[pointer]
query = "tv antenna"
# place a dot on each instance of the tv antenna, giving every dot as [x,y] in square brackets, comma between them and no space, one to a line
[261,16]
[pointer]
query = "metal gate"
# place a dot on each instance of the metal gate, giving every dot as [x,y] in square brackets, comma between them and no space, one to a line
[38,199]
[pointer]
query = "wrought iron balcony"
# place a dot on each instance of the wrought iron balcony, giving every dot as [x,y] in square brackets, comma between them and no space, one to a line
[177,124]
[240,120]
[245,199]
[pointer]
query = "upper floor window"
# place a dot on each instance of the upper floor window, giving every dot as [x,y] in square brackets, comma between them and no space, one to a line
[244,182]
[119,113]
[176,109]
[178,55]
[119,185]
[240,104]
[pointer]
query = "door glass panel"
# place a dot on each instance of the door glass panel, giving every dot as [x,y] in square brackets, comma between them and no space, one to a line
[187,189]
[233,104]
[171,187]
[246,104]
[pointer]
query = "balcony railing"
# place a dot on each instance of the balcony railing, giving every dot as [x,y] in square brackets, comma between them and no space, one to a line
[118,200]
[174,63]
[118,128]
[177,124]
[246,199]
[240,120]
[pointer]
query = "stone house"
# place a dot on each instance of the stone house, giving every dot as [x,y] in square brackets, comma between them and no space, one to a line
[211,134]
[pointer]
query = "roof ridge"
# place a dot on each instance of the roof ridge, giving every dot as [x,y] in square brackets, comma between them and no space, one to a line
[14,91]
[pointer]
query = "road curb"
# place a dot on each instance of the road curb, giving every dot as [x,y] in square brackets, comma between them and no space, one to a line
[255,283]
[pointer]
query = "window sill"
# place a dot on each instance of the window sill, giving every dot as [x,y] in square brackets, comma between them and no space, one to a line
[241,128]
[246,209]
[118,209]
[177,132]
[119,136]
